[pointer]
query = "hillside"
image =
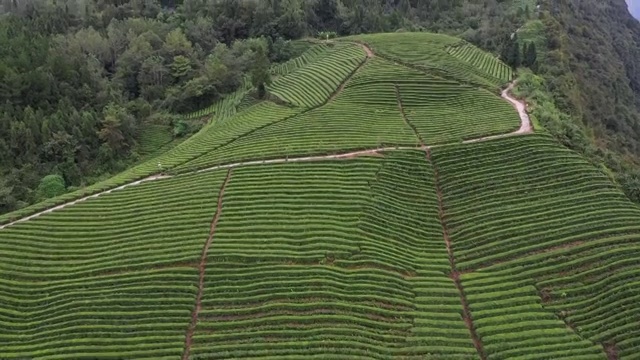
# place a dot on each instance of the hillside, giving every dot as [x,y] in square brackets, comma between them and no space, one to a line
[389,203]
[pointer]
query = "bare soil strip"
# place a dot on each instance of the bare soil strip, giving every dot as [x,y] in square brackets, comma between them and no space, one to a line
[368,50]
[455,275]
[347,155]
[611,350]
[369,53]
[525,128]
[202,268]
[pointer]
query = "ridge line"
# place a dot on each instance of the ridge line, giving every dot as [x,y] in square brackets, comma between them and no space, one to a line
[202,268]
[331,97]
[525,128]
[455,274]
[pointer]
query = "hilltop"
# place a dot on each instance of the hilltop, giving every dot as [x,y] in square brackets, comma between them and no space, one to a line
[90,89]
[390,198]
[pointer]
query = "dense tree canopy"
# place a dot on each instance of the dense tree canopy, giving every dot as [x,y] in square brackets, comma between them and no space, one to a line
[80,79]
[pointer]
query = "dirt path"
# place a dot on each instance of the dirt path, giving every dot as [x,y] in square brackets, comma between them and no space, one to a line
[202,268]
[611,350]
[455,275]
[369,53]
[525,128]
[347,155]
[367,50]
[525,121]
[138,182]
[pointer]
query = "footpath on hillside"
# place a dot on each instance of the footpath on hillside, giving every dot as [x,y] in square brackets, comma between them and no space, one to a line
[525,128]
[525,121]
[369,53]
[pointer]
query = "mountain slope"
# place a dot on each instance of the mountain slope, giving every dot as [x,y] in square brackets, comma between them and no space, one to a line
[604,59]
[424,243]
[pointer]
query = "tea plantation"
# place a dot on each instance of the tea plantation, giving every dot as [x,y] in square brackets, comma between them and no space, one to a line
[346,220]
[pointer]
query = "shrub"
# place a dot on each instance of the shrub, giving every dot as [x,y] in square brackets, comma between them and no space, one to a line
[50,186]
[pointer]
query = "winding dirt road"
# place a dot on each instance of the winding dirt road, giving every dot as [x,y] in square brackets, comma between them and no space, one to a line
[347,155]
[367,50]
[525,121]
[525,128]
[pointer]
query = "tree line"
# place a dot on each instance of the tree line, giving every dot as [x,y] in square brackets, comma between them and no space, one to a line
[516,55]
[80,79]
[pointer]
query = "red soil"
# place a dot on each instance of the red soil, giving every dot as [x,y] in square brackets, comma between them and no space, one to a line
[455,275]
[202,268]
[611,351]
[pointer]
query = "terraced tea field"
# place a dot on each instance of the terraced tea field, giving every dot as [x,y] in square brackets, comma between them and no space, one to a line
[395,210]
[313,54]
[312,85]
[432,53]
[548,223]
[480,59]
[116,279]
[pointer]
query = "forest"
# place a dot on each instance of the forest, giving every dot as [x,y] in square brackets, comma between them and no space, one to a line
[80,79]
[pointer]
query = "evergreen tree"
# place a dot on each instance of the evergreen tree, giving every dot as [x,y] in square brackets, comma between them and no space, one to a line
[531,55]
[260,75]
[515,57]
[525,50]
[50,186]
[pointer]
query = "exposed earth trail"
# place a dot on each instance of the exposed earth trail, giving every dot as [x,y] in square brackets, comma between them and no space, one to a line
[346,155]
[525,121]
[525,128]
[368,50]
[201,269]
[455,274]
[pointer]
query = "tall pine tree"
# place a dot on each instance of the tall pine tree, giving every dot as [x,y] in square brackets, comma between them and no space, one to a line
[531,56]
[260,75]
[511,52]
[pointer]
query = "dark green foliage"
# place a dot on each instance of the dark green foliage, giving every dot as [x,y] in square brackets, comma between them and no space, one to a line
[530,56]
[597,44]
[260,74]
[512,53]
[591,75]
[280,50]
[50,186]
[180,128]
[61,67]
